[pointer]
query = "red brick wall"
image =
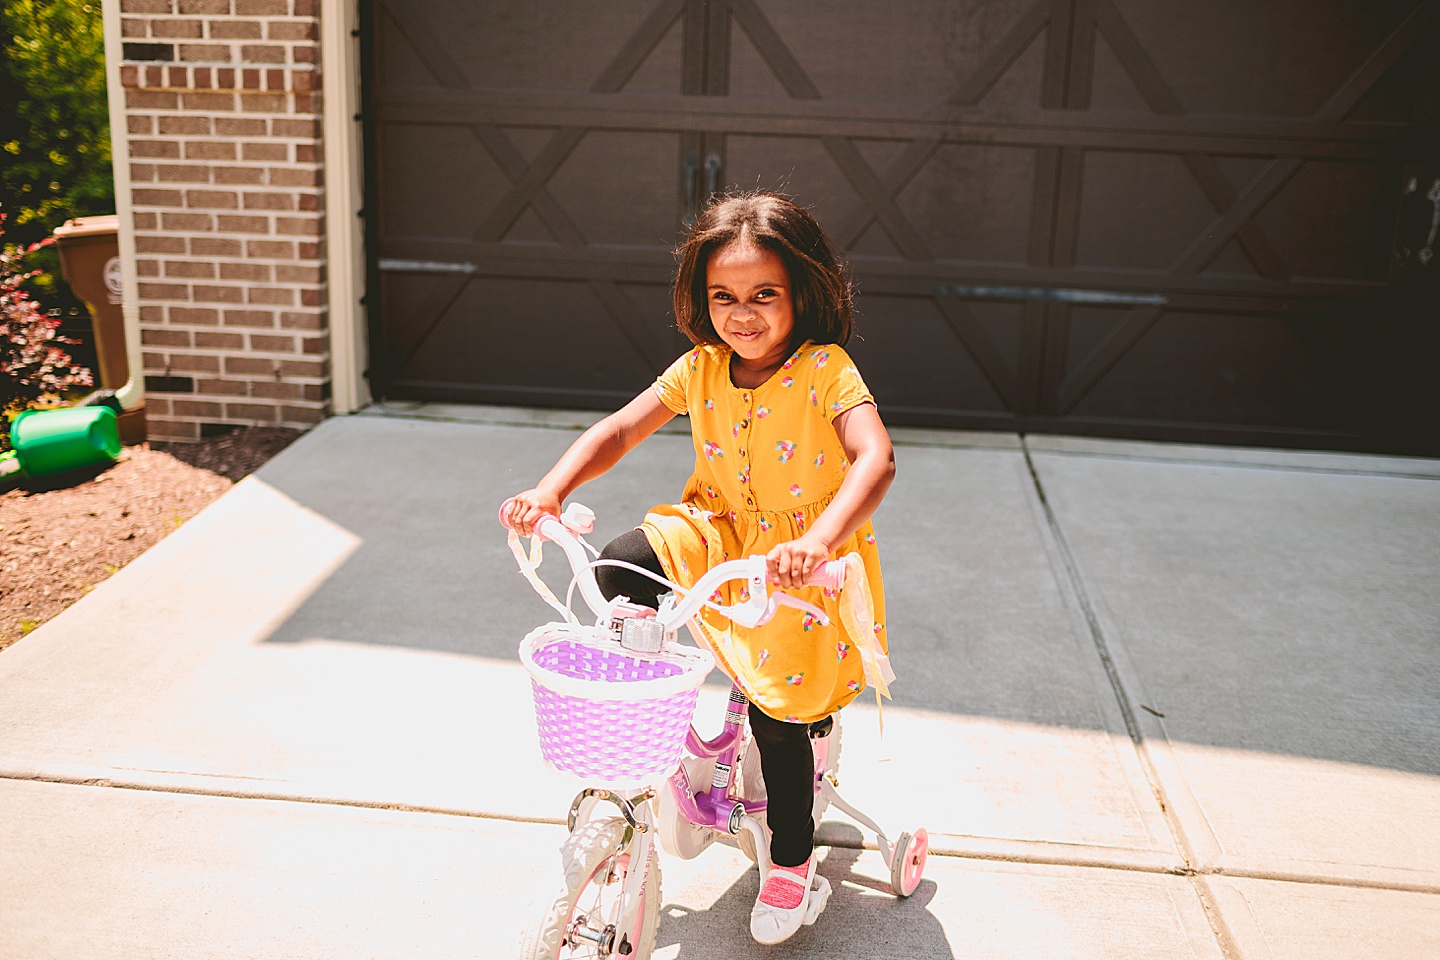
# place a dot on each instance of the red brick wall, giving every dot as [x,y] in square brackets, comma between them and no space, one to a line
[223,114]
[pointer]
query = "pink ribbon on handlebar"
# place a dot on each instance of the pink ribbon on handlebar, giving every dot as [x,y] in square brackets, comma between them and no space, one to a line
[857,613]
[527,569]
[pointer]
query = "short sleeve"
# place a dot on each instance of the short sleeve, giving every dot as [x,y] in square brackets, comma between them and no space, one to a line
[672,385]
[838,382]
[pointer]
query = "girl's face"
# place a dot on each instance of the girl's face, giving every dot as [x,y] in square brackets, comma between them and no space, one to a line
[749,295]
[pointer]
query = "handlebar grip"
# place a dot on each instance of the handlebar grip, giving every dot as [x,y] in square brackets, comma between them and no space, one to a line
[831,574]
[541,525]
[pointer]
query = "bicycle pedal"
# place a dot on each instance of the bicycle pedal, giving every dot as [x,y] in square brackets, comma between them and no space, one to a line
[819,899]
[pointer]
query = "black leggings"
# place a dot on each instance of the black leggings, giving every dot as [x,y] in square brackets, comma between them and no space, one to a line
[787,761]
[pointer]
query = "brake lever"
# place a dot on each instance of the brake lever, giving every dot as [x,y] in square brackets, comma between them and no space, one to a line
[779,599]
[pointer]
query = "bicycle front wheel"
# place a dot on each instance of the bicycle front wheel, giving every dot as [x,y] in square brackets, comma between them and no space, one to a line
[582,920]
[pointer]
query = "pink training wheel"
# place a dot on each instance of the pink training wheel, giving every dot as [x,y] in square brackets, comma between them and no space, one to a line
[907,861]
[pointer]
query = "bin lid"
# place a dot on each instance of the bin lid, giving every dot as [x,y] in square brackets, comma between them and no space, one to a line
[88,227]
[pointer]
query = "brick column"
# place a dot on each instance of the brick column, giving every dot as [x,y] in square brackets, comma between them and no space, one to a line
[223,111]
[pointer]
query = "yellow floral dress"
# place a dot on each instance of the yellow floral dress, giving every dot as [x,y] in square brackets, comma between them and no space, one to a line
[767,462]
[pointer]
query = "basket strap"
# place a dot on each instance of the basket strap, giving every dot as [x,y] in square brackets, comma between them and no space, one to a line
[528,566]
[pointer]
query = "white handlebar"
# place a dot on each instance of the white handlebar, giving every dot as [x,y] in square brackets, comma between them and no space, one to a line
[757,610]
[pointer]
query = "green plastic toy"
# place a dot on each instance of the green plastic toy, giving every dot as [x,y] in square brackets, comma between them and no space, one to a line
[54,441]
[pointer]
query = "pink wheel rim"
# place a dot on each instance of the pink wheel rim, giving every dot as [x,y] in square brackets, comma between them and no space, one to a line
[915,855]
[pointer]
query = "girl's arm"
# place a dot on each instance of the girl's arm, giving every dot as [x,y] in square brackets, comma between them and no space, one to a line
[597,450]
[872,468]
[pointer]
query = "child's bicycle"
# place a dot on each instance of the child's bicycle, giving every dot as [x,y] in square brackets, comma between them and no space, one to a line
[613,704]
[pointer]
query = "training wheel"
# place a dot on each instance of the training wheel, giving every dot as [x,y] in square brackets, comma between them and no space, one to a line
[907,861]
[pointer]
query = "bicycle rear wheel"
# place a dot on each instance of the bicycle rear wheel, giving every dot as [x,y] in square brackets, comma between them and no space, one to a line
[581,921]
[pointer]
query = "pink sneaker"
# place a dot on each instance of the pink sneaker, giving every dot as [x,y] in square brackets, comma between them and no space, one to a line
[791,897]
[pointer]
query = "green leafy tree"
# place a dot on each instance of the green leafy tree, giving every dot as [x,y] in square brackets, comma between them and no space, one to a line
[55,152]
[54,140]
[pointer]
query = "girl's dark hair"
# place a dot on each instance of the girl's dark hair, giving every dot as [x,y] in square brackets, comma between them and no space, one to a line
[820,287]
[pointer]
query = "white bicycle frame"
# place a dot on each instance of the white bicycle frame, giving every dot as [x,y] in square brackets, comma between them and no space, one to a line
[679,608]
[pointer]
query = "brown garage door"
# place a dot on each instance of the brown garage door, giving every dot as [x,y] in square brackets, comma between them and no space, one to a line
[1125,217]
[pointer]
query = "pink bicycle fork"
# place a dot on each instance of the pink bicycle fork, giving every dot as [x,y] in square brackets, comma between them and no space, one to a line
[714,808]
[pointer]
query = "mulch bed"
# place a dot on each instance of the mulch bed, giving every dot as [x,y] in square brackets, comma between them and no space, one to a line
[61,536]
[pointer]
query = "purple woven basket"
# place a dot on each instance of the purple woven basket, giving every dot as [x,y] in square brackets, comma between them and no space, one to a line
[606,714]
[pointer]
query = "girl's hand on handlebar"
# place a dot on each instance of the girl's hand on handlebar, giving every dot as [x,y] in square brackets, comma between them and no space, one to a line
[527,508]
[790,564]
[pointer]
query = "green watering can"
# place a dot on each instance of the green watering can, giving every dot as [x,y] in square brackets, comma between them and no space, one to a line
[54,441]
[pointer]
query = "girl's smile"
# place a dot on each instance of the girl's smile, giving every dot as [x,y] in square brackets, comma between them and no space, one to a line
[749,297]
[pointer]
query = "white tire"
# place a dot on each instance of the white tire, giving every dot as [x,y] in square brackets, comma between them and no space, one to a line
[585,896]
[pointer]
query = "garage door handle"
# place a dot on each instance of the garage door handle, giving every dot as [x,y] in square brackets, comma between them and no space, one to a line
[692,167]
[712,175]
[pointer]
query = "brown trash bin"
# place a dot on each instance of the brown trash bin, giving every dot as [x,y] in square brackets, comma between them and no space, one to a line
[90,262]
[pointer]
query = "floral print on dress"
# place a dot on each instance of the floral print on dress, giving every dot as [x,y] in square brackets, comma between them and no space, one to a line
[754,510]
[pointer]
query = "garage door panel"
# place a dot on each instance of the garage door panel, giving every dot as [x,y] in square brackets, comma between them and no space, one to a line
[397,56]
[800,166]
[529,229]
[1222,57]
[1217,369]
[1112,87]
[1335,220]
[937,372]
[575,344]
[1139,210]
[883,52]
[972,202]
[421,156]
[599,184]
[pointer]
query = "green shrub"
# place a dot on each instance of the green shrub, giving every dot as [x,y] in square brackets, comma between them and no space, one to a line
[34,364]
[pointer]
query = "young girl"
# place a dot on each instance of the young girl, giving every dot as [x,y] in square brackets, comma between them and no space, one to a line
[791,460]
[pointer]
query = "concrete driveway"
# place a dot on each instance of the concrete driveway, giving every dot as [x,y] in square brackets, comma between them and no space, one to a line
[1154,701]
